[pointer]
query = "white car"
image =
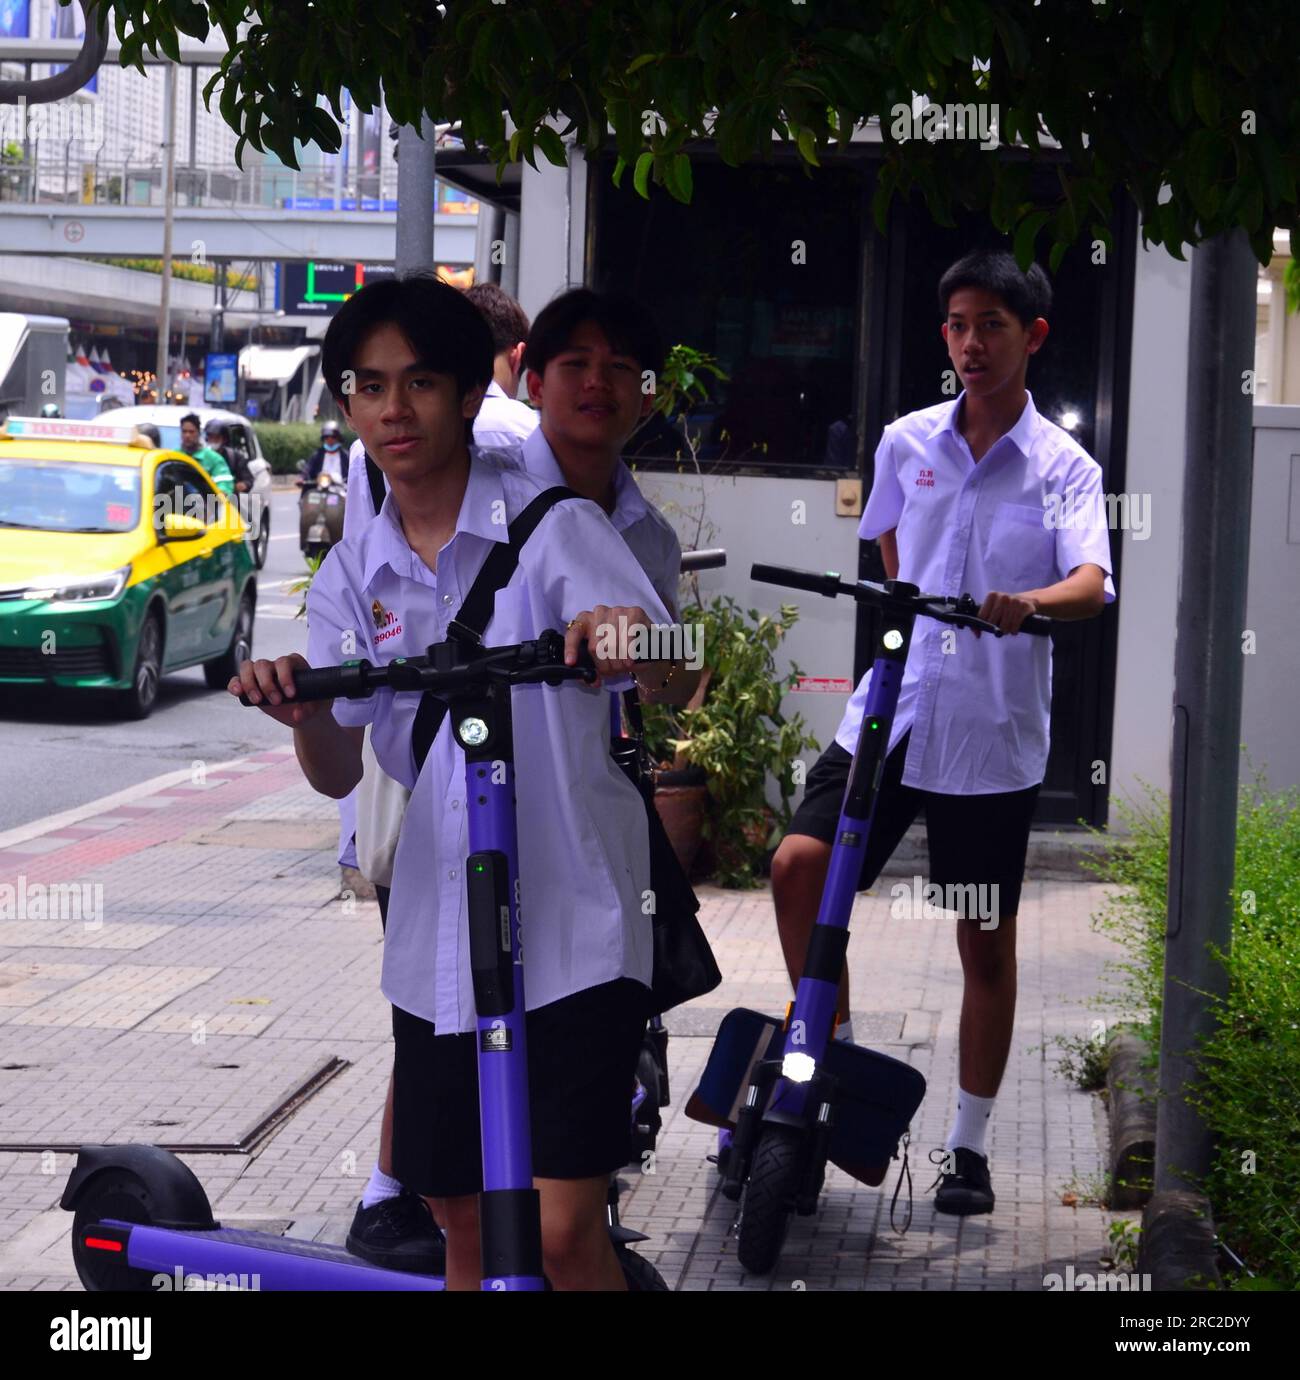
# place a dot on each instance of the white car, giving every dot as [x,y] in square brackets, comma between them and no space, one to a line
[255,507]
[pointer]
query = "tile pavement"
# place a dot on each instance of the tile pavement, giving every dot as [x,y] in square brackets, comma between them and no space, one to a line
[226,969]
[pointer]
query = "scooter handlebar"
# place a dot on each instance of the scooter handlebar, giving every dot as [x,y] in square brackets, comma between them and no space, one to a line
[827,583]
[524,663]
[352,680]
[960,612]
[703,560]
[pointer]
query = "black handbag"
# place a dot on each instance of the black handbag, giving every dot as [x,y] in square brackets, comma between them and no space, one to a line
[684,966]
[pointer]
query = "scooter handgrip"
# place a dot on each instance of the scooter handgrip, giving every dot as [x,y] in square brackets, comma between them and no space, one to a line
[1037,625]
[328,683]
[323,682]
[817,582]
[703,560]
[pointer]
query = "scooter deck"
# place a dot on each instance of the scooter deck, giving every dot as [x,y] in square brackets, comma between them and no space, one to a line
[279,1262]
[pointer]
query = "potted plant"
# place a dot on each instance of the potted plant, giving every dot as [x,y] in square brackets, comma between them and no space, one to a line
[735,733]
[716,753]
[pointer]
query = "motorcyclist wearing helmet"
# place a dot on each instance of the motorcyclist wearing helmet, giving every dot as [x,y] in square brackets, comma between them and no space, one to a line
[331,457]
[211,460]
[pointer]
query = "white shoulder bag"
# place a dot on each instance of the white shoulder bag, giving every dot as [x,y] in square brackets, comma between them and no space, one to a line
[381,803]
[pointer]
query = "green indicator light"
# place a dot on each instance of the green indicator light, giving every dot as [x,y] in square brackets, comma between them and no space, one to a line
[480,867]
[874,724]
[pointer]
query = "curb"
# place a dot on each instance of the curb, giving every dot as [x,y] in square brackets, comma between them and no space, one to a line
[106,803]
[1177,1244]
[1132,1116]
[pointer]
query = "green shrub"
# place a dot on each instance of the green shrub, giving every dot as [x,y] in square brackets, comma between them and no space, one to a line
[1251,1065]
[1249,1094]
[1138,864]
[285,443]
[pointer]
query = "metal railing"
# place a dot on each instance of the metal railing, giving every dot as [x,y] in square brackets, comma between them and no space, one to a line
[70,176]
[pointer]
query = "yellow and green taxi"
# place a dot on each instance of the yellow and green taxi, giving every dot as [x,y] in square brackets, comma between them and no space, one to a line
[118,563]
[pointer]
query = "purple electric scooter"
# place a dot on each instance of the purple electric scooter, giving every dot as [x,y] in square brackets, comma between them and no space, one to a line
[788,1097]
[140,1212]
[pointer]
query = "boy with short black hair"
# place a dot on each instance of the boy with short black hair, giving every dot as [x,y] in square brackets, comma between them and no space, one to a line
[409,361]
[959,502]
[588,360]
[503,422]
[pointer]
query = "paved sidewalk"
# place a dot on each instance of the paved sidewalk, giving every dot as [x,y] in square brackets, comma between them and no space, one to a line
[218,975]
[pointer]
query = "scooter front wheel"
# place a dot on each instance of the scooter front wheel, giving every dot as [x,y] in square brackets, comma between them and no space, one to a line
[120,1195]
[769,1197]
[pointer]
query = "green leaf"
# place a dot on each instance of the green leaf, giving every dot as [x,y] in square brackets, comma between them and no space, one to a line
[552,146]
[638,63]
[641,174]
[620,167]
[1026,234]
[679,178]
[1205,94]
[807,144]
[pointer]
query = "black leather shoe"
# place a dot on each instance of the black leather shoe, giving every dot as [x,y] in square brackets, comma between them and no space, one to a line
[966,1191]
[399,1234]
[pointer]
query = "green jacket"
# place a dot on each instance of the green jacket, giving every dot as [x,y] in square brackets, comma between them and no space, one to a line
[217,469]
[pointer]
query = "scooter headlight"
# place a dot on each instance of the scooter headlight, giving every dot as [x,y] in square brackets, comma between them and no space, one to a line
[798,1068]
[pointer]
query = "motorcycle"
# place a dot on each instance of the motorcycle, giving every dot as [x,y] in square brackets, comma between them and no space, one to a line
[321,504]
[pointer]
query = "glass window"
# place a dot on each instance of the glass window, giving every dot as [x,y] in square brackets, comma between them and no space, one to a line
[68,497]
[761,270]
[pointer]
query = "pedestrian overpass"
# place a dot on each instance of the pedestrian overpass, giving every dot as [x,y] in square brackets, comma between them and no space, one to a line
[206,233]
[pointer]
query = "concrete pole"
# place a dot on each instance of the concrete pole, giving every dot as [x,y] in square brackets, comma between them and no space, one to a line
[415,213]
[169,208]
[1208,675]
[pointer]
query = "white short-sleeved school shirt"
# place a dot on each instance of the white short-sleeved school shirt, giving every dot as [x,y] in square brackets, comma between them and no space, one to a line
[649,535]
[583,849]
[980,713]
[503,423]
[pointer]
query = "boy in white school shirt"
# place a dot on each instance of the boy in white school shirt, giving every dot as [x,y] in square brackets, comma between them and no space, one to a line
[960,502]
[584,363]
[409,360]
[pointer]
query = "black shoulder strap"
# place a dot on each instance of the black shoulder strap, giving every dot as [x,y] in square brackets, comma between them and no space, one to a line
[476,612]
[376,478]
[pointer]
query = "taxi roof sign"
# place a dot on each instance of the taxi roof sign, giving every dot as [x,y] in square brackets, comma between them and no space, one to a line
[67,429]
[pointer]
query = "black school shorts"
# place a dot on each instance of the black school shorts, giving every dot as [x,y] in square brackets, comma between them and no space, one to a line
[582,1056]
[976,840]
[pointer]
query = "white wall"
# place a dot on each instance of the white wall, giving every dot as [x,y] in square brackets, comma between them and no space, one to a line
[1148,588]
[1272,671]
[753,519]
[552,234]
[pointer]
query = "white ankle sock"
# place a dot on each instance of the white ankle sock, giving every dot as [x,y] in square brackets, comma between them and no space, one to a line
[379,1188]
[844,1031]
[972,1123]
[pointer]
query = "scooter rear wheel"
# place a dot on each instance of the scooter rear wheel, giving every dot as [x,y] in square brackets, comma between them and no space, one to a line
[641,1276]
[123,1196]
[769,1198]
